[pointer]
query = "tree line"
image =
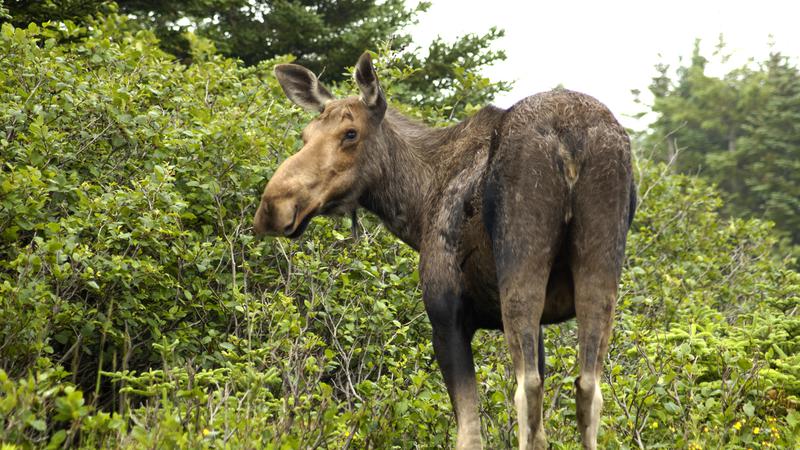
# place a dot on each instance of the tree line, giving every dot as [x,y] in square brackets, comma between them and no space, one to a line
[324,35]
[740,130]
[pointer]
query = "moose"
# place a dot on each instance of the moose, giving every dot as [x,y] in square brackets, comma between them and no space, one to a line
[519,215]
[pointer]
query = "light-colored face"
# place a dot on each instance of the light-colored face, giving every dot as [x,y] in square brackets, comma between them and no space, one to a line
[326,176]
[321,178]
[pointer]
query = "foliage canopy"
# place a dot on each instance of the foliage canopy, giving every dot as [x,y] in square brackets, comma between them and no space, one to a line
[741,131]
[323,35]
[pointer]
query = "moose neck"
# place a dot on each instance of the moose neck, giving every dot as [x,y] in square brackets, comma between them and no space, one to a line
[413,162]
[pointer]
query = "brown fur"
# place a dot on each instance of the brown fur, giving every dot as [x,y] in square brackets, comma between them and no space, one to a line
[520,217]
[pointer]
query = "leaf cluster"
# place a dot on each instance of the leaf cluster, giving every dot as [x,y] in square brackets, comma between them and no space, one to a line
[325,36]
[738,130]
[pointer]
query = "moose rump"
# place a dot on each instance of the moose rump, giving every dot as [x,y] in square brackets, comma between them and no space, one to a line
[557,204]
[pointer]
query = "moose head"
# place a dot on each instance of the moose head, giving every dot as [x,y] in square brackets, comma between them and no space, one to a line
[331,170]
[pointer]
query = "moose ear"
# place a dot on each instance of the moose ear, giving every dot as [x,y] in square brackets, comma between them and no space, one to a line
[302,87]
[367,80]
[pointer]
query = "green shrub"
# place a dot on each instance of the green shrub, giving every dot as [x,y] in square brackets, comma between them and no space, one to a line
[136,309]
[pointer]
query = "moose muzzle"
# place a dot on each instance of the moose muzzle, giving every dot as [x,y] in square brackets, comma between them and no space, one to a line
[287,204]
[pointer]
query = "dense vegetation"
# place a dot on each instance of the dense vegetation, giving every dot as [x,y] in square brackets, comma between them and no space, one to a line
[740,131]
[137,311]
[326,36]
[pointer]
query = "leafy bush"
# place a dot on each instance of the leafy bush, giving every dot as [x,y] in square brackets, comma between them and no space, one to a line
[136,309]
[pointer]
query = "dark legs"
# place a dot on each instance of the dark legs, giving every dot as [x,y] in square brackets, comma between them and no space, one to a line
[522,299]
[594,303]
[523,269]
[452,345]
[524,213]
[597,250]
[596,270]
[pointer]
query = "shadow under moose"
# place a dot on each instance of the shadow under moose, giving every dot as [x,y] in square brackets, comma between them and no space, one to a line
[519,216]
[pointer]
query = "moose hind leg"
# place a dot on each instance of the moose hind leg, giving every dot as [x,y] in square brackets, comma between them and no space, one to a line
[597,248]
[596,280]
[522,302]
[595,300]
[523,210]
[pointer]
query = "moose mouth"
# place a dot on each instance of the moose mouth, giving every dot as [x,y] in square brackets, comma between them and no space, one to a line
[332,208]
[301,228]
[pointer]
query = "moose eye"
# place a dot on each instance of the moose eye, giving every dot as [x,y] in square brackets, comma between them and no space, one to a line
[350,134]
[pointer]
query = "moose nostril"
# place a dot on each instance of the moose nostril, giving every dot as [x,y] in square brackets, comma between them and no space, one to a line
[287,230]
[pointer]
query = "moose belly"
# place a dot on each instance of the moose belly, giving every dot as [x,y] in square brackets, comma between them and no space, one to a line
[560,301]
[483,297]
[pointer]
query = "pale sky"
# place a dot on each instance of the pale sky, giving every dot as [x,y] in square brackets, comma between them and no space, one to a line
[606,48]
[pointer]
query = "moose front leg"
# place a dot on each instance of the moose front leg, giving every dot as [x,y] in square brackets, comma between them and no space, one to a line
[452,344]
[451,317]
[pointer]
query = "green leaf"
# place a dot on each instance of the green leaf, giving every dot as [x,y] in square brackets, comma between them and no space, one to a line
[38,424]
